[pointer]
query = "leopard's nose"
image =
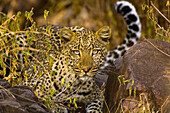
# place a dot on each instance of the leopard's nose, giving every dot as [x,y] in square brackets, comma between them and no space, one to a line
[86,69]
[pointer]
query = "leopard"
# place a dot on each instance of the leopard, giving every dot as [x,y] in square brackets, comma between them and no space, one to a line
[73,65]
[63,61]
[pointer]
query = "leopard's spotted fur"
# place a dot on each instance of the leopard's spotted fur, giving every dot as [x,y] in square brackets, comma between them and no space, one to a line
[65,60]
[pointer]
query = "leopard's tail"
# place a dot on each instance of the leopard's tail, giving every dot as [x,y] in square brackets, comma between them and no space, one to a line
[128,11]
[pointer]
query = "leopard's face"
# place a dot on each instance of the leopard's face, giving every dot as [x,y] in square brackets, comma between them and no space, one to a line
[85,50]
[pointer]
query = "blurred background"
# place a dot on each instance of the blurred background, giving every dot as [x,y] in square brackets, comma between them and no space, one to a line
[91,14]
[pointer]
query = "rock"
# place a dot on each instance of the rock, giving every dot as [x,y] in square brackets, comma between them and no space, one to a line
[148,65]
[101,76]
[19,99]
[11,107]
[4,84]
[108,77]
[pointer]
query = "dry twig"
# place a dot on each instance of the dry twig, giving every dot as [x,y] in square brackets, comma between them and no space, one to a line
[158,48]
[160,13]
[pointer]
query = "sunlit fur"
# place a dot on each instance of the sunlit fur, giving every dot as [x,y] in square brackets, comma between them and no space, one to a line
[86,53]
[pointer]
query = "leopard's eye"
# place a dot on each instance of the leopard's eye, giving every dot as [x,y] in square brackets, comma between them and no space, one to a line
[94,52]
[77,52]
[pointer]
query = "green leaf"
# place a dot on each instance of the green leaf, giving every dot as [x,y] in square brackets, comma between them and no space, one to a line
[1,61]
[26,14]
[63,81]
[52,91]
[130,91]
[70,100]
[67,85]
[120,76]
[9,21]
[4,18]
[53,73]
[46,14]
[135,92]
[50,100]
[74,102]
[18,13]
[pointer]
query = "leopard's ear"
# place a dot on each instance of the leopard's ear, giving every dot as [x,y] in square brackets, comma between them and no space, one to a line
[66,35]
[104,34]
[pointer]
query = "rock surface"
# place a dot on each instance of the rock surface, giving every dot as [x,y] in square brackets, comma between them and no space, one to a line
[148,65]
[19,99]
